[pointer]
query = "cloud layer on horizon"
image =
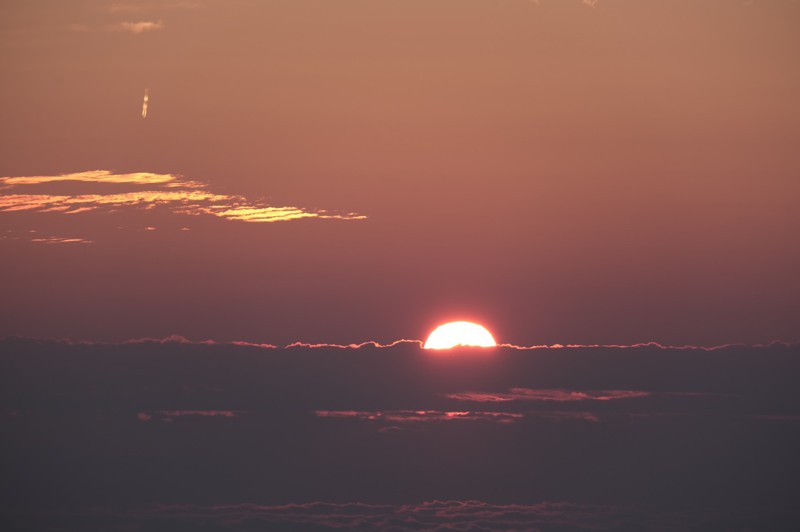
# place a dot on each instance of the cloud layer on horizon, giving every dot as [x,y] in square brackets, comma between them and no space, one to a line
[161,427]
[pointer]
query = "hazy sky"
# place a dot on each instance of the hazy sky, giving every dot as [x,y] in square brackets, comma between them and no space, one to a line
[592,173]
[344,170]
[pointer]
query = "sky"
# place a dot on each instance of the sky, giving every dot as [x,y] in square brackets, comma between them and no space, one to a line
[564,173]
[227,228]
[606,172]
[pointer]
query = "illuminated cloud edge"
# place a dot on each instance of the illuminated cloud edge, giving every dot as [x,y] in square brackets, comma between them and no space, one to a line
[147,191]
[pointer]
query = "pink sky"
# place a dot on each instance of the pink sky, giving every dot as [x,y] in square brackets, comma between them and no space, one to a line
[562,173]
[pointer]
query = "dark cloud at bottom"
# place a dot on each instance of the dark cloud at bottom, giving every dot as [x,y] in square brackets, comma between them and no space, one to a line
[431,515]
[175,436]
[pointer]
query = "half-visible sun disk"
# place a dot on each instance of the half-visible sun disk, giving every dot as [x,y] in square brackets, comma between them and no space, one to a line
[459,333]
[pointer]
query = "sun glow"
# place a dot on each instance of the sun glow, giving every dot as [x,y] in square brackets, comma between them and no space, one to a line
[459,333]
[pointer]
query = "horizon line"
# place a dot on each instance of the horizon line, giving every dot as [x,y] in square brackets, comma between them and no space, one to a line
[179,339]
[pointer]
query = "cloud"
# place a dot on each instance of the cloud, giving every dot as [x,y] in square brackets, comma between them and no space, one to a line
[420,416]
[428,416]
[436,515]
[564,416]
[201,413]
[188,201]
[643,345]
[169,415]
[370,343]
[178,339]
[528,394]
[159,421]
[137,28]
[61,240]
[101,176]
[147,191]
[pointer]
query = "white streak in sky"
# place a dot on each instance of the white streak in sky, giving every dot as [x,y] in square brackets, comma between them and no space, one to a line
[144,104]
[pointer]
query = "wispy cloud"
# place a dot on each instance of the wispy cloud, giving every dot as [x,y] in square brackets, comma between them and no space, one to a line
[201,413]
[146,192]
[644,345]
[178,339]
[101,176]
[417,416]
[137,28]
[528,394]
[133,28]
[403,417]
[169,415]
[438,515]
[367,344]
[61,240]
[187,202]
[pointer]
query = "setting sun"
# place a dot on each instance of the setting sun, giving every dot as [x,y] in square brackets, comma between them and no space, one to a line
[459,333]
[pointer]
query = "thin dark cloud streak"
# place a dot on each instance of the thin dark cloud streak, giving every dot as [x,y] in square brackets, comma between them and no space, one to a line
[420,416]
[168,416]
[319,515]
[437,515]
[527,394]
[653,344]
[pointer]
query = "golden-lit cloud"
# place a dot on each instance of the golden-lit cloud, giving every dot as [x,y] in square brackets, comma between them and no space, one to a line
[148,199]
[100,176]
[147,192]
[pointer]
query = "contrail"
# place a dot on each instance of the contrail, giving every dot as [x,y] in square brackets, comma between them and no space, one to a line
[144,104]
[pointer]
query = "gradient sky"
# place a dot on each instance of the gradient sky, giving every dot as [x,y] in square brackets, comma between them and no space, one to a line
[561,171]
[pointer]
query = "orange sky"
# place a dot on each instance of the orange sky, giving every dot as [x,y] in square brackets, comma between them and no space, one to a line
[559,172]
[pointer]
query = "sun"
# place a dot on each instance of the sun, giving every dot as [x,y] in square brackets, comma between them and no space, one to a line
[459,333]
